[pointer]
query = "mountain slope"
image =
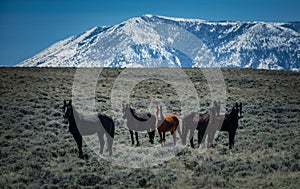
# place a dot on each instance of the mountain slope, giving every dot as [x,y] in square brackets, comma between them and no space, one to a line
[157,41]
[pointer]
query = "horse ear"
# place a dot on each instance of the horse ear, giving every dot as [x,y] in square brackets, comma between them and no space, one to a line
[65,102]
[70,102]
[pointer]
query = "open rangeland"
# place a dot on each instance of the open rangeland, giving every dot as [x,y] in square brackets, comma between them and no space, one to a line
[37,151]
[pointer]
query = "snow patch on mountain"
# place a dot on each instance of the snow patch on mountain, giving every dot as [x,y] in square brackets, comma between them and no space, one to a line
[159,41]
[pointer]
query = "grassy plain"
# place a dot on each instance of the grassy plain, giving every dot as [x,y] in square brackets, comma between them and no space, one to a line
[37,151]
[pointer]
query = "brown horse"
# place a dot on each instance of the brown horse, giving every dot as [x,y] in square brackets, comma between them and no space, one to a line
[168,123]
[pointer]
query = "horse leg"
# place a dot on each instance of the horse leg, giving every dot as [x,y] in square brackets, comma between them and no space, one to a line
[101,141]
[110,143]
[78,139]
[192,142]
[192,138]
[231,139]
[151,136]
[179,131]
[131,135]
[137,138]
[110,138]
[163,138]
[173,133]
[210,139]
[160,137]
[184,135]
[201,138]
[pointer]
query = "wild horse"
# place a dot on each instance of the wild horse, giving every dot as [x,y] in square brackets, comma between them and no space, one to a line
[207,124]
[80,125]
[168,123]
[137,122]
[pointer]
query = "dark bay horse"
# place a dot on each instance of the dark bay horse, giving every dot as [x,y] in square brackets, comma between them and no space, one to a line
[80,125]
[137,122]
[191,121]
[168,123]
[207,124]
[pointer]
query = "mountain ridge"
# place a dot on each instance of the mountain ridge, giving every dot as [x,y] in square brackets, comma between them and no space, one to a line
[159,41]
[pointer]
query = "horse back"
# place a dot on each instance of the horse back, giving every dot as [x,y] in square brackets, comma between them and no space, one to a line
[172,118]
[229,124]
[142,116]
[203,121]
[170,123]
[190,120]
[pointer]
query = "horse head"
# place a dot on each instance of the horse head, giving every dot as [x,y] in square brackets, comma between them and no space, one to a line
[239,110]
[125,110]
[236,112]
[215,110]
[158,113]
[68,110]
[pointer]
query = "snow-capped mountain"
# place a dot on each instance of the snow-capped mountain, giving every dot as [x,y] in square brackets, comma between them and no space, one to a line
[157,41]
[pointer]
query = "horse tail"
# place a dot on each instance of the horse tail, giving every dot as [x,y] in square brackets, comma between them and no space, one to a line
[108,124]
[176,122]
[112,129]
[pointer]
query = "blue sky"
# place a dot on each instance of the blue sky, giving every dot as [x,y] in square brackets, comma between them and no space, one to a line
[29,26]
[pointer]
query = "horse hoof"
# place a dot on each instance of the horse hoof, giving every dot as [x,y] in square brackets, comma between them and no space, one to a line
[83,156]
[138,144]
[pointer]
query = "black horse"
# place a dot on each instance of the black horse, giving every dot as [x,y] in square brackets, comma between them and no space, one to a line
[231,123]
[80,126]
[207,124]
[139,122]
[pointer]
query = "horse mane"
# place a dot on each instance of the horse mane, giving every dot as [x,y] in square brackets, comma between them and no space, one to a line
[204,117]
[168,122]
[77,114]
[102,115]
[170,117]
[140,116]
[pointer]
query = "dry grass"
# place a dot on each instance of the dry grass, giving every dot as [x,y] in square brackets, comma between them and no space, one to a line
[37,150]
